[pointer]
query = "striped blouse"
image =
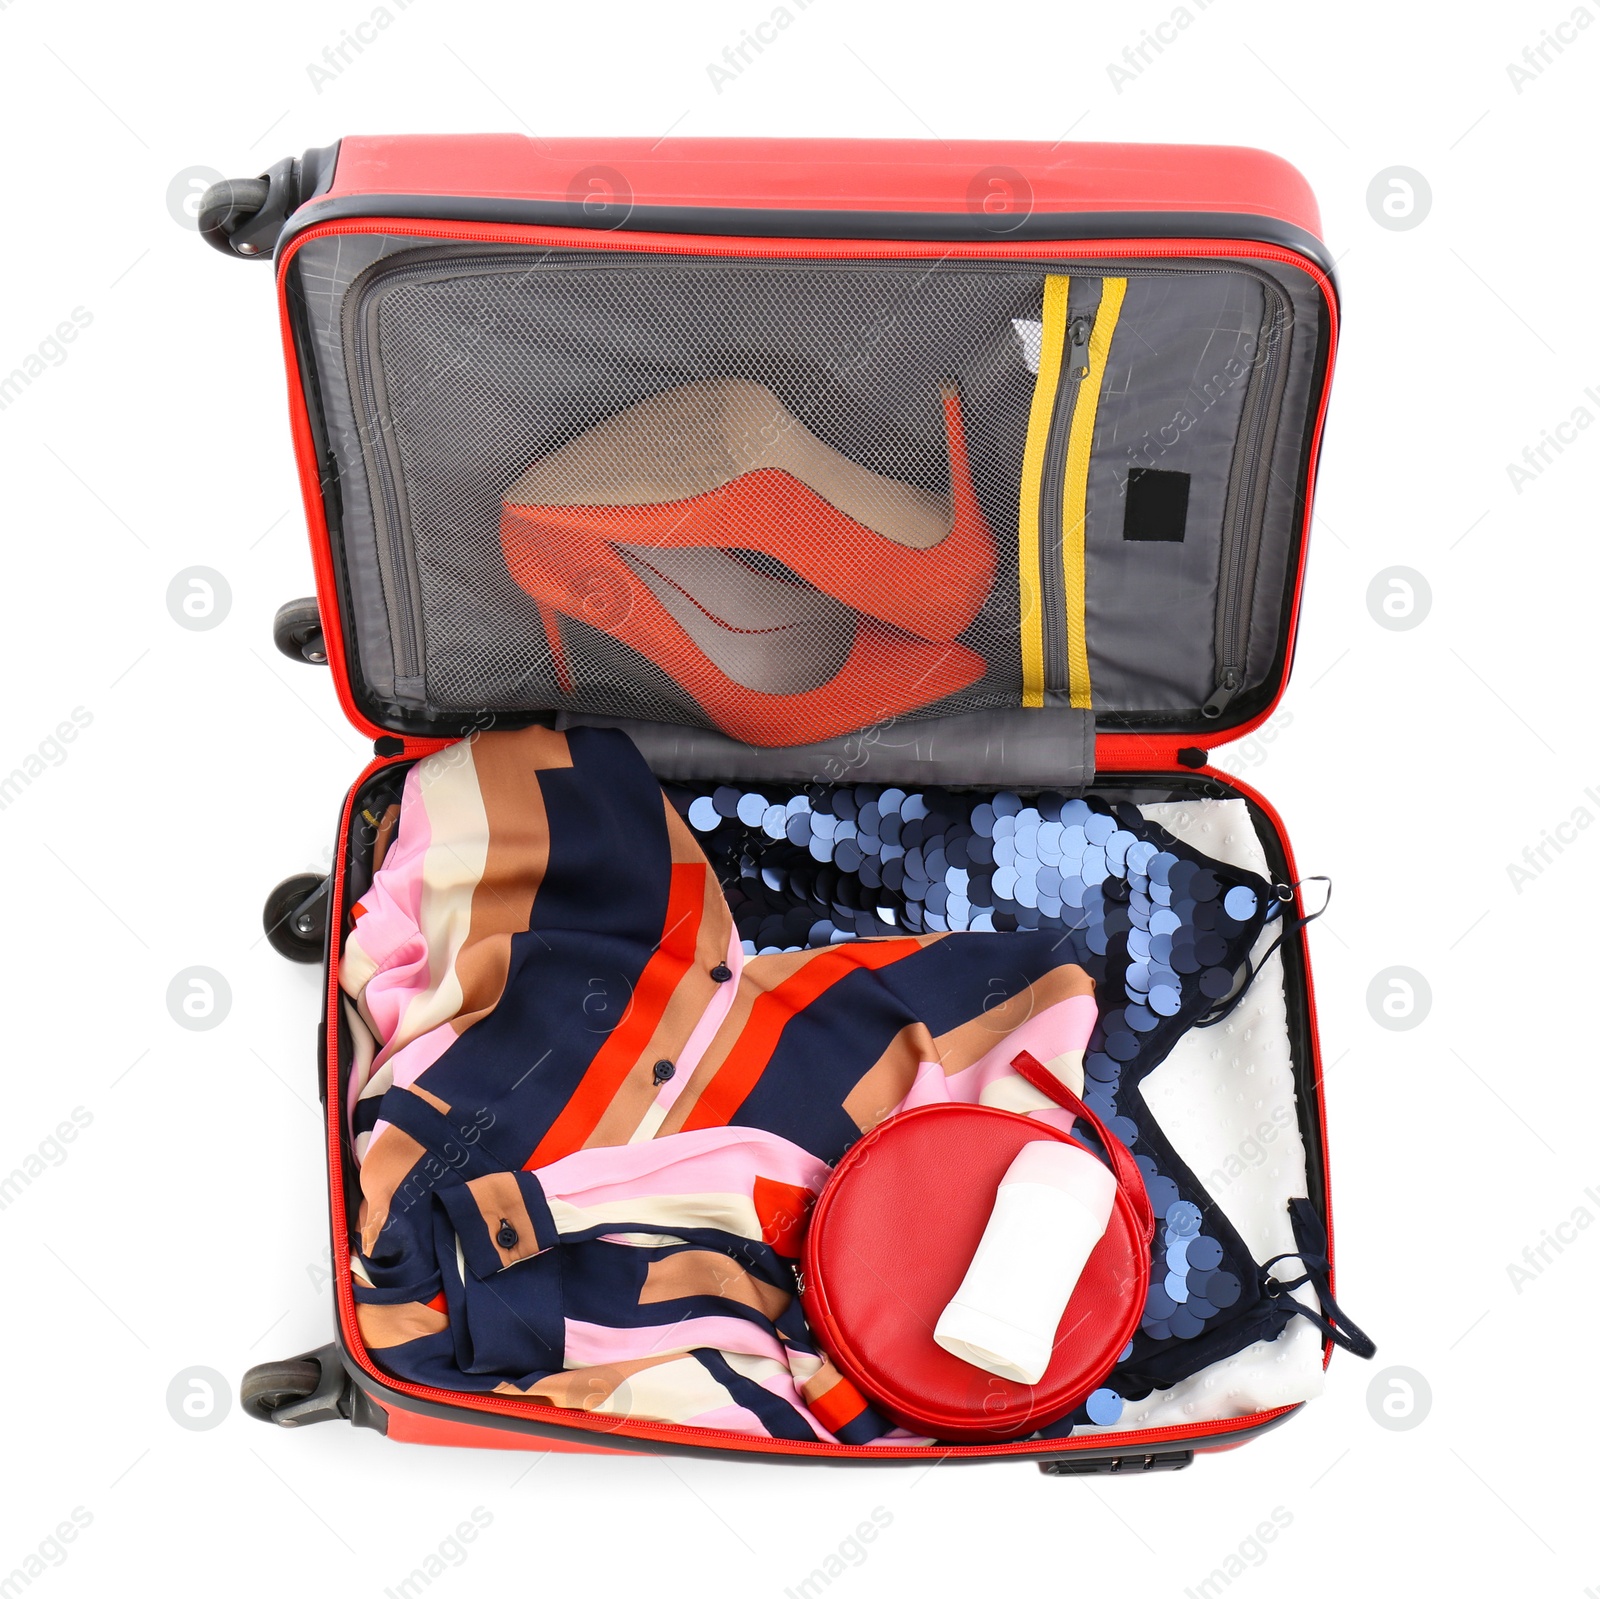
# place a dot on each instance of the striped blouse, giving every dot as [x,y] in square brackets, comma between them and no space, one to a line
[590,1127]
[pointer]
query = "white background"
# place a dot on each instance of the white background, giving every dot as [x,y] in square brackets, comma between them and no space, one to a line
[185,1226]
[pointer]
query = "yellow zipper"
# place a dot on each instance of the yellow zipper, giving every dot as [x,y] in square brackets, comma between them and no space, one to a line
[1031,600]
[1075,488]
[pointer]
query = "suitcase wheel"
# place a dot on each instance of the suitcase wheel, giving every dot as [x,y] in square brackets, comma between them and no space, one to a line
[227,206]
[267,1389]
[243,217]
[294,1393]
[295,917]
[297,631]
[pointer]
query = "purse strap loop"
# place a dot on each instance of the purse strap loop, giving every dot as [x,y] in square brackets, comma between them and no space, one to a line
[1123,1166]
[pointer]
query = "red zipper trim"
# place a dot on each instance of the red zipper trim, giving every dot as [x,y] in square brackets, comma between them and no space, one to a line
[805,249]
[305,454]
[1132,1443]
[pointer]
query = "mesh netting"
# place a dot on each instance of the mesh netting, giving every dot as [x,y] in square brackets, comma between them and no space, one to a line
[774,499]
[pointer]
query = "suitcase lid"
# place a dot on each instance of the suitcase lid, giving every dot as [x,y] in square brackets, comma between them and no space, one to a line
[794,454]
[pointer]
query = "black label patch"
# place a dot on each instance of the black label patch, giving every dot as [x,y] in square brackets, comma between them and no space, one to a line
[1158,506]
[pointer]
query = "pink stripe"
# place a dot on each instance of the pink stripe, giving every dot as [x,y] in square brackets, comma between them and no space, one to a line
[929,1087]
[932,1087]
[593,1345]
[1054,1031]
[706,1028]
[783,1387]
[589,1344]
[729,1418]
[710,1160]
[389,930]
[1055,1116]
[408,1064]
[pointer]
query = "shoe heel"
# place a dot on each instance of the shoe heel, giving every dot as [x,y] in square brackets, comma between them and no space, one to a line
[963,497]
[558,651]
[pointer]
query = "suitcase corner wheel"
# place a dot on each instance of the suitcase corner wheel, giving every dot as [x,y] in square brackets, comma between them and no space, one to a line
[297,632]
[1118,1465]
[310,1388]
[243,216]
[295,917]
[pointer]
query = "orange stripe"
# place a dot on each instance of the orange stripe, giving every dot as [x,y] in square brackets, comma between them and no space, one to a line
[771,1013]
[839,1406]
[620,1053]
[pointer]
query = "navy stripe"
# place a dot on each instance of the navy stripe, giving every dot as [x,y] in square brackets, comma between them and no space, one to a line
[603,903]
[605,1286]
[778,1416]
[824,1051]
[460,1144]
[507,1323]
[477,1246]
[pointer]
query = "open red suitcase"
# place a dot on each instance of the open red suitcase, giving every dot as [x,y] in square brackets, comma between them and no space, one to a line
[1152,326]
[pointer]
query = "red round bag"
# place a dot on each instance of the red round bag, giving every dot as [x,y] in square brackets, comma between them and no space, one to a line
[891,1237]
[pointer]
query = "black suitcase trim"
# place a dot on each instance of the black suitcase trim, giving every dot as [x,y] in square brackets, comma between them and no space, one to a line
[974,227]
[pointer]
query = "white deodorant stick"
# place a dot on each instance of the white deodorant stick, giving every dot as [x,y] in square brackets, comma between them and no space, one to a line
[1052,1207]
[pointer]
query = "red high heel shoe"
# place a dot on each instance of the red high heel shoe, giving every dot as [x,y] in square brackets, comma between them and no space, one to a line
[726,465]
[770,661]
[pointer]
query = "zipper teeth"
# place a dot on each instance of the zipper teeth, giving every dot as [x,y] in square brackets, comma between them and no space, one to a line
[1052,579]
[595,260]
[821,249]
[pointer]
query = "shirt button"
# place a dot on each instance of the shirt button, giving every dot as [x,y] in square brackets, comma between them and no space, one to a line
[720,973]
[662,1072]
[507,1236]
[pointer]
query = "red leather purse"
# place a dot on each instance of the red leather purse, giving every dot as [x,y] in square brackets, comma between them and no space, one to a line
[892,1234]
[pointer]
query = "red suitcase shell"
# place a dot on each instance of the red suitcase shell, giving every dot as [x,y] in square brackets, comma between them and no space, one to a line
[750,200]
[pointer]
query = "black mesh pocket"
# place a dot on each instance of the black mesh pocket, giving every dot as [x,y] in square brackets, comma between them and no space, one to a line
[775,499]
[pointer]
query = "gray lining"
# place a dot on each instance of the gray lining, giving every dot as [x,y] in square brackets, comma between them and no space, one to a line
[327,267]
[1051,748]
[1269,615]
[1166,402]
[1151,607]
